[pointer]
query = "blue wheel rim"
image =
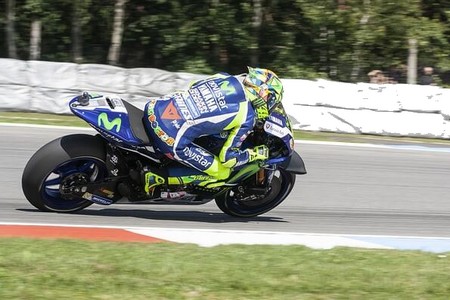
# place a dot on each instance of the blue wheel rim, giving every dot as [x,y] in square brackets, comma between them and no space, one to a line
[94,170]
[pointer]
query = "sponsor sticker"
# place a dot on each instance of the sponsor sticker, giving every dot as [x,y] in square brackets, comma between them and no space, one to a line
[207,97]
[198,157]
[117,102]
[227,88]
[162,135]
[170,113]
[176,124]
[276,120]
[109,125]
[276,130]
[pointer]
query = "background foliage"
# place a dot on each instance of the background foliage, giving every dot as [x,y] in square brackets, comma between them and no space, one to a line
[336,39]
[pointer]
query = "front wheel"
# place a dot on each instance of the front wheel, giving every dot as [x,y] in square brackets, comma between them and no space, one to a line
[239,203]
[60,165]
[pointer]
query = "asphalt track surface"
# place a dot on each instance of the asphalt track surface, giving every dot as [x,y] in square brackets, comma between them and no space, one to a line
[349,189]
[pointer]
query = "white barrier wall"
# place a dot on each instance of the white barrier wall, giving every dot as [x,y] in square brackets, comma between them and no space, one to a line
[363,108]
[321,105]
[48,86]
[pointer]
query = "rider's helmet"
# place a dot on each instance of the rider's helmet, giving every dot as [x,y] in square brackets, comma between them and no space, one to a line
[264,89]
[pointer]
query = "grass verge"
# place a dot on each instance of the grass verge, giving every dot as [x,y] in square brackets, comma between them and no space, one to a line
[67,269]
[71,120]
[41,119]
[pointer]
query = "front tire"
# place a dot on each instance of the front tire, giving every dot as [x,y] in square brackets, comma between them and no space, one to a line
[280,187]
[71,159]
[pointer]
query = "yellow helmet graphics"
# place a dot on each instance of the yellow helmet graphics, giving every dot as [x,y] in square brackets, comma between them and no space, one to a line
[264,89]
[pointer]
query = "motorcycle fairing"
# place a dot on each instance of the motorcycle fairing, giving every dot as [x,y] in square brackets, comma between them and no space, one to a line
[278,124]
[110,116]
[294,164]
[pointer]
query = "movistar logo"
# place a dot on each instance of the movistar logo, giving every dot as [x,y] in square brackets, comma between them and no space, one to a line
[227,88]
[103,118]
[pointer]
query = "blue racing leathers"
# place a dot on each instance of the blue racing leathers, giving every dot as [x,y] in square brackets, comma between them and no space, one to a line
[210,106]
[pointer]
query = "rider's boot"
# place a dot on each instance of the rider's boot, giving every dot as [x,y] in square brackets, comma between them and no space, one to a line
[212,183]
[152,180]
[218,173]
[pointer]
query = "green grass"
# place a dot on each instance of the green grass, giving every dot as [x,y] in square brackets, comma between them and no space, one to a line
[66,269]
[41,119]
[71,120]
[364,138]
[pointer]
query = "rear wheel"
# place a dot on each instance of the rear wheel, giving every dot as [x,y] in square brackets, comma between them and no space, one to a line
[239,202]
[56,170]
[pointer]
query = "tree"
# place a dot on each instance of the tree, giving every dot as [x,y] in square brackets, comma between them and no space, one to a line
[35,39]
[257,23]
[77,40]
[337,39]
[116,39]
[10,28]
[34,7]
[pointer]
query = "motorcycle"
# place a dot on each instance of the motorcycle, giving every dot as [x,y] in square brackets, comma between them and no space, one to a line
[75,171]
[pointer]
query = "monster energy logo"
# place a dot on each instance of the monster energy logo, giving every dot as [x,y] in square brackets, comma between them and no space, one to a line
[103,118]
[227,88]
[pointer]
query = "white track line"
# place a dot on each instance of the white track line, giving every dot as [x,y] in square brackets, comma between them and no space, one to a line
[215,237]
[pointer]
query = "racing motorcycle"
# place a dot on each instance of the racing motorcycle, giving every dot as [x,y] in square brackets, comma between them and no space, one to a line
[74,171]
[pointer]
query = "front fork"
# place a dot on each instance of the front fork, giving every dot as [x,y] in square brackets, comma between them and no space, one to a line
[259,140]
[264,175]
[263,178]
[260,177]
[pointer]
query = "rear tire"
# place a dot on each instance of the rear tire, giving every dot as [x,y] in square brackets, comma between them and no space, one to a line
[281,185]
[77,156]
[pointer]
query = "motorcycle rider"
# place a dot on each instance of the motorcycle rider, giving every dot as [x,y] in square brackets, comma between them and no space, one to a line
[219,104]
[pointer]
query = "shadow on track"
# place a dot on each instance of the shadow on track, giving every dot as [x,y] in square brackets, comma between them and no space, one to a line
[188,216]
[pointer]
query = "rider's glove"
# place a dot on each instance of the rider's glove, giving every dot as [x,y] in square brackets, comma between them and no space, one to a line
[258,153]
